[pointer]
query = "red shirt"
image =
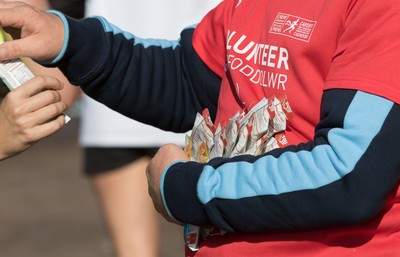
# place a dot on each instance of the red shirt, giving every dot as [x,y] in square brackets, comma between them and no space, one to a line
[300,48]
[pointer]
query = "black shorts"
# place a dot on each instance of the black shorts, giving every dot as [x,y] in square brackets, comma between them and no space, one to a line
[100,160]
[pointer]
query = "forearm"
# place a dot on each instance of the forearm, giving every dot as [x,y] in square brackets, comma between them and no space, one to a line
[292,188]
[130,75]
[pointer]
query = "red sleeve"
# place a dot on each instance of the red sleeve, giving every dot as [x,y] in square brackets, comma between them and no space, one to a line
[368,52]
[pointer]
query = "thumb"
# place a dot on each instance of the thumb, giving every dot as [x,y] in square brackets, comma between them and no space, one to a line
[28,47]
[10,50]
[42,33]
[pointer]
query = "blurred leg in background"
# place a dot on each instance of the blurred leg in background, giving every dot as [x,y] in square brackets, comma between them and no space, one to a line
[119,179]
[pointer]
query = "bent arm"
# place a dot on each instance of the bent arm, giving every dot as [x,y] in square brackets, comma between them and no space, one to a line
[341,177]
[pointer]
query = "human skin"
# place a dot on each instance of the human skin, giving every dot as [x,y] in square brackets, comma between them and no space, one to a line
[27,116]
[166,155]
[41,38]
[41,33]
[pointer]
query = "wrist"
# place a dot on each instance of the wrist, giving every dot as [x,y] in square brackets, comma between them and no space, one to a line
[61,53]
[180,193]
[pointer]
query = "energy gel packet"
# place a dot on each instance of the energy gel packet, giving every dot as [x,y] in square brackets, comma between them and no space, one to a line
[258,131]
[232,132]
[202,139]
[219,143]
[278,117]
[15,72]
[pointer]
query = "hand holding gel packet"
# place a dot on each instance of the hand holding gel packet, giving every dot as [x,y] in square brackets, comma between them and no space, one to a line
[15,72]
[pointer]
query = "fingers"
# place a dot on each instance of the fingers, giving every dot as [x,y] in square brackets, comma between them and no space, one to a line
[31,46]
[9,11]
[40,46]
[172,152]
[10,50]
[25,119]
[42,33]
[13,13]
[21,130]
[37,101]
[33,134]
[42,100]
[35,94]
[166,155]
[46,129]
[44,114]
[37,84]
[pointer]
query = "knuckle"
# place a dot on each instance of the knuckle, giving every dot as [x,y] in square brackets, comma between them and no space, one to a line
[58,124]
[15,49]
[55,109]
[40,79]
[12,94]
[21,124]
[28,136]
[12,98]
[166,147]
[56,95]
[16,113]
[61,107]
[51,96]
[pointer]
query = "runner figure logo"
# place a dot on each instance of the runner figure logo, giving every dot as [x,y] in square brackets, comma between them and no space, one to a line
[293,26]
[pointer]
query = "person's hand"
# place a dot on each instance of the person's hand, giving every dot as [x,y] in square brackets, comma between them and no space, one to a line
[166,155]
[28,114]
[41,33]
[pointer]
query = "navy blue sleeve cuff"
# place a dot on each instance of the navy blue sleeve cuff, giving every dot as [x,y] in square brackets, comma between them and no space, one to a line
[84,49]
[180,193]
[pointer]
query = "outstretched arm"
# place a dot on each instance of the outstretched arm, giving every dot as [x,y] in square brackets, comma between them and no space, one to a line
[163,83]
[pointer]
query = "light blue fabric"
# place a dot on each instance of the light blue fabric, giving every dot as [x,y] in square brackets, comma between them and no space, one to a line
[66,36]
[108,27]
[305,169]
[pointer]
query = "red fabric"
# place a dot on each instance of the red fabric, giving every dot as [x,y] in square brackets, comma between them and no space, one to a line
[300,48]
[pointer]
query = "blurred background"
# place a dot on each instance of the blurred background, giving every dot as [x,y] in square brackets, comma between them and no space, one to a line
[48,208]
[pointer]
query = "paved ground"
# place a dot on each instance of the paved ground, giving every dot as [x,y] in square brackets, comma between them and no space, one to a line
[47,208]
